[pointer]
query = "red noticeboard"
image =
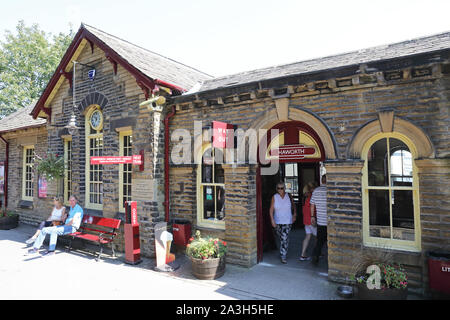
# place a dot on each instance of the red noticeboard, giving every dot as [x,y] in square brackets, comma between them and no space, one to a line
[135,159]
[293,152]
[220,134]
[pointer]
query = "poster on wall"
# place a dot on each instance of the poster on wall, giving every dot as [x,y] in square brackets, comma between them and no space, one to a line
[2,177]
[42,185]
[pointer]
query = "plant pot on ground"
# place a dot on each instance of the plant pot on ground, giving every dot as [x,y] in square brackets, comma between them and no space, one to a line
[377,277]
[207,256]
[8,220]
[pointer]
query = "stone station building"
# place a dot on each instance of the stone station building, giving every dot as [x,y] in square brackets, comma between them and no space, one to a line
[376,121]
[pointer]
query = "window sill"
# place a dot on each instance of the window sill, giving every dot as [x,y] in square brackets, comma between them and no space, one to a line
[25,204]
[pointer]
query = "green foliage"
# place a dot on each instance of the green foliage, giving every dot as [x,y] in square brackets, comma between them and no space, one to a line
[206,248]
[28,59]
[51,165]
[392,276]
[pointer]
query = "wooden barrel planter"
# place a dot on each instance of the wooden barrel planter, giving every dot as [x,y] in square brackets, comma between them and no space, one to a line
[364,293]
[208,269]
[9,222]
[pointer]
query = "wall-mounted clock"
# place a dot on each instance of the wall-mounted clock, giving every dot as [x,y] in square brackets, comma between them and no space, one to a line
[96,120]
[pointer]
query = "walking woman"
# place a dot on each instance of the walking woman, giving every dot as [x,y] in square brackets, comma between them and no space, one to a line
[282,215]
[309,228]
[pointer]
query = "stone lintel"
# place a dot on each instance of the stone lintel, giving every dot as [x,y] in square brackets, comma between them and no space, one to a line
[354,167]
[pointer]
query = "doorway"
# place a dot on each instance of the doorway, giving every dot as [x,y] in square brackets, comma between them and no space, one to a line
[295,176]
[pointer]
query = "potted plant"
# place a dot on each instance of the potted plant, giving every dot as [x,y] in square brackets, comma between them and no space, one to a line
[376,277]
[8,220]
[207,256]
[52,166]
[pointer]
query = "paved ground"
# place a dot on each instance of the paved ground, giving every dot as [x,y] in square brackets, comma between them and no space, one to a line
[78,276]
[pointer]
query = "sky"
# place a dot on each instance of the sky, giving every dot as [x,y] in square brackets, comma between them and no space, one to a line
[231,36]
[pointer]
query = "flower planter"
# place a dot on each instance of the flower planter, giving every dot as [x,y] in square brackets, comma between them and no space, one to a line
[208,269]
[9,222]
[364,293]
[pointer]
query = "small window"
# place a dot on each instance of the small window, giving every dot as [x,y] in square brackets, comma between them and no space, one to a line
[27,179]
[125,170]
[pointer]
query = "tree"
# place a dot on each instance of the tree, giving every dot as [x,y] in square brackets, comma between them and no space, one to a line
[28,60]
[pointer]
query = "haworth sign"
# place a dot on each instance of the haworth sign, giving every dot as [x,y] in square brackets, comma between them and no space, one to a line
[135,160]
[292,152]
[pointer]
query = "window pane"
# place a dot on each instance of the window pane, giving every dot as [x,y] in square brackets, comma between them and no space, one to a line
[219,176]
[377,163]
[289,169]
[401,163]
[208,202]
[207,162]
[403,214]
[220,203]
[379,221]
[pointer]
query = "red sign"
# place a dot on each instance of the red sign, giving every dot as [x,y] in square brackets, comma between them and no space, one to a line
[292,152]
[135,159]
[220,130]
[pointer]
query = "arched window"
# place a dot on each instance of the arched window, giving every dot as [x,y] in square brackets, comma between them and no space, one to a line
[94,147]
[211,189]
[390,193]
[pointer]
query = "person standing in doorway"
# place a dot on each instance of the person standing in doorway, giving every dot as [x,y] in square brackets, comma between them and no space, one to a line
[319,205]
[309,229]
[282,215]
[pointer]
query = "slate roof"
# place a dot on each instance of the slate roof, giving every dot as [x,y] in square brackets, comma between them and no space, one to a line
[384,52]
[150,63]
[21,119]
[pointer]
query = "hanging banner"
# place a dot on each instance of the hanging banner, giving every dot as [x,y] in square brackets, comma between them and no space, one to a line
[42,187]
[2,177]
[135,160]
[220,130]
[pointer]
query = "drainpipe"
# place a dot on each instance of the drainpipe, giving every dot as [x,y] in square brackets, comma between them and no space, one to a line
[6,170]
[166,162]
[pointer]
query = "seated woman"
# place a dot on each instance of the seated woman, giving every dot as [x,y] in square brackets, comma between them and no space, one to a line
[57,216]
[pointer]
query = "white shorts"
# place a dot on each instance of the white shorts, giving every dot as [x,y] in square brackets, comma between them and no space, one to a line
[310,229]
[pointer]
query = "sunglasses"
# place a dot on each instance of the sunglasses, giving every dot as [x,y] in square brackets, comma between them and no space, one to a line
[280,188]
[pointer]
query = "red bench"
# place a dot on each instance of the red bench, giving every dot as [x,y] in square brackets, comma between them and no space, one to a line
[99,230]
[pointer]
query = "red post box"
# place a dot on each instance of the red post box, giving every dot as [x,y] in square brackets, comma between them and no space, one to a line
[131,229]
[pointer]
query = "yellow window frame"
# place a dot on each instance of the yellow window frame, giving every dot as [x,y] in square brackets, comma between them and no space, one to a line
[88,136]
[201,221]
[122,134]
[406,245]
[68,164]
[24,173]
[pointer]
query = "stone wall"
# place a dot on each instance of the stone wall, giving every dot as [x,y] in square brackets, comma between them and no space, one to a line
[32,212]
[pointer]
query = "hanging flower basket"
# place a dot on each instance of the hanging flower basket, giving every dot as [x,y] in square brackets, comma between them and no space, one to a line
[52,166]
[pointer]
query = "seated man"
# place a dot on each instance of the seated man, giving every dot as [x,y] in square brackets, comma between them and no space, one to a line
[72,224]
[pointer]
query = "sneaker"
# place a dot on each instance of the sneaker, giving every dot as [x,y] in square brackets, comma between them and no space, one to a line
[30,241]
[32,251]
[283,261]
[48,253]
[302,258]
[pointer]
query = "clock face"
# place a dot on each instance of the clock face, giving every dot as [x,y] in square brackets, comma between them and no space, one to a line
[96,120]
